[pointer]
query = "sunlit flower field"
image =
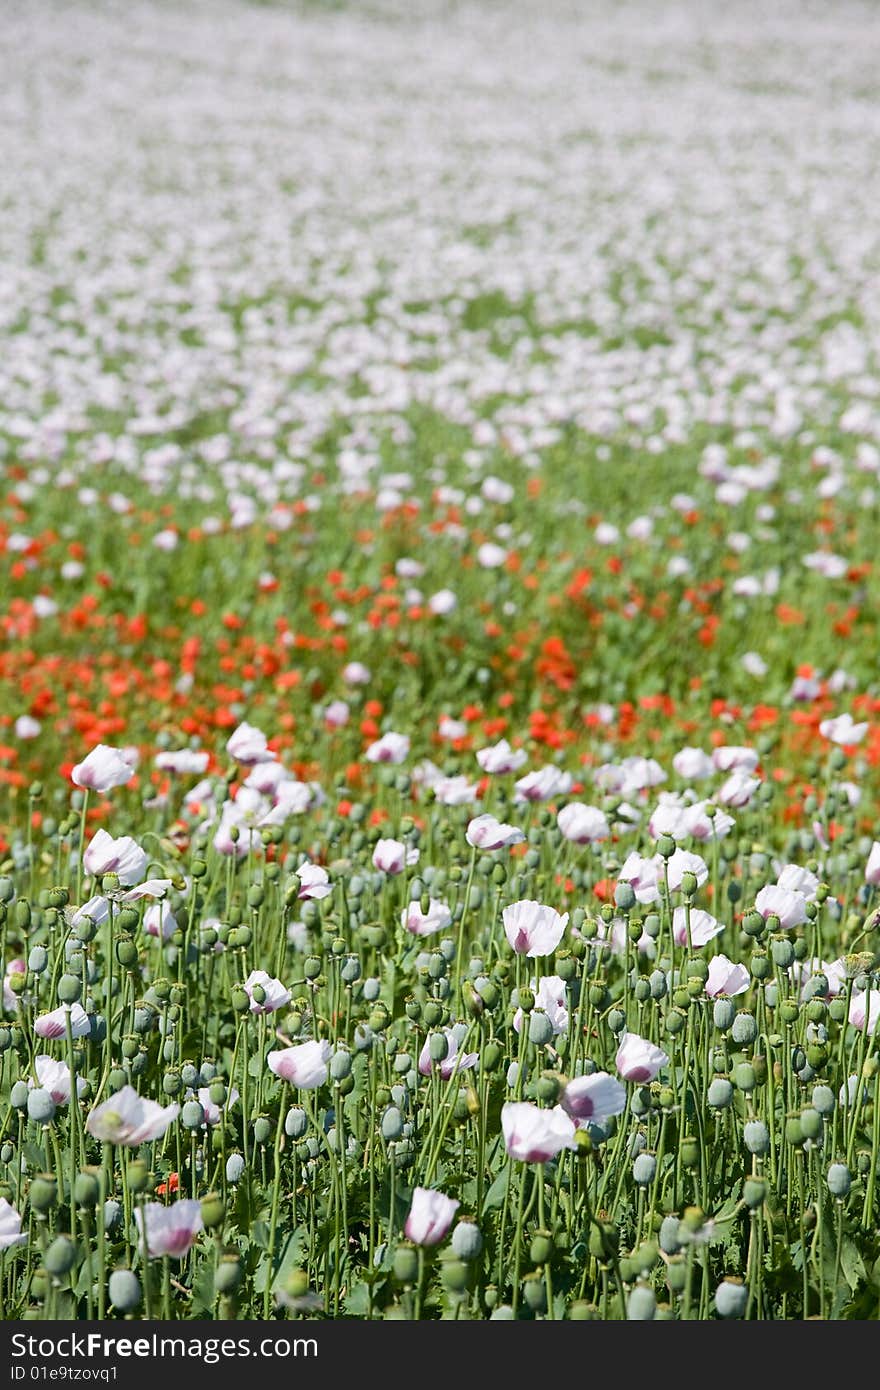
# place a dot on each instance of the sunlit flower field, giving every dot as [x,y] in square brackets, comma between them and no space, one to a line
[439,688]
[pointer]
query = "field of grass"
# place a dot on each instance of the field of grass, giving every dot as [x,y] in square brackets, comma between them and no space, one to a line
[439,701]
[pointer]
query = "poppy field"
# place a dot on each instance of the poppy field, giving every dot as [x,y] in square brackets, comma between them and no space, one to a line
[439,688]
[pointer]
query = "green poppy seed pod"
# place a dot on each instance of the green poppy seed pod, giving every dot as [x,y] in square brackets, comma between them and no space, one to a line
[744,1030]
[642,990]
[756,1137]
[617,1020]
[491,1056]
[138,1174]
[658,984]
[112,1213]
[227,1275]
[689,883]
[540,1028]
[753,924]
[744,1077]
[566,966]
[720,1093]
[190,1075]
[406,1264]
[723,1014]
[340,1065]
[794,1134]
[839,1180]
[603,1240]
[69,989]
[86,1188]
[7,889]
[668,1237]
[467,1241]
[641,1306]
[525,1000]
[391,1124]
[43,1192]
[213,1210]
[438,1047]
[262,1129]
[234,1168]
[811,1123]
[296,1122]
[817,1056]
[644,1169]
[823,1100]
[38,959]
[782,951]
[192,1116]
[675,1022]
[125,1290]
[40,1106]
[7,1152]
[126,952]
[380,1018]
[541,1248]
[534,1292]
[754,1192]
[624,897]
[18,1096]
[5,1039]
[60,1257]
[21,915]
[241,1002]
[690,1151]
[731,1298]
[171,1083]
[350,971]
[676,1272]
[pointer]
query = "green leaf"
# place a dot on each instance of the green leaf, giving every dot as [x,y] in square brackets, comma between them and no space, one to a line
[203,1289]
[291,1258]
[495,1196]
[852,1264]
